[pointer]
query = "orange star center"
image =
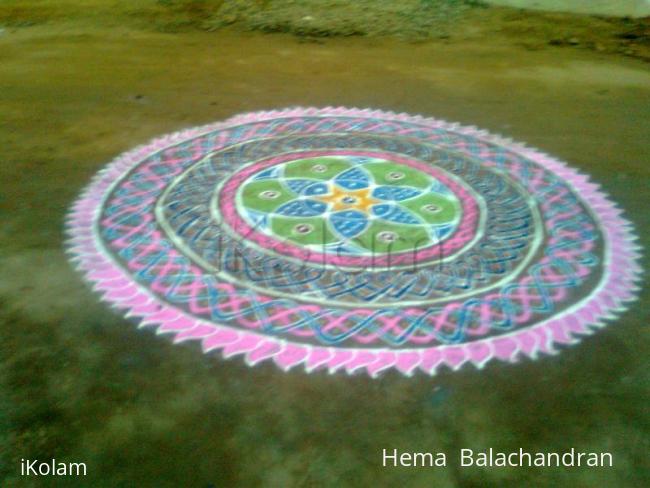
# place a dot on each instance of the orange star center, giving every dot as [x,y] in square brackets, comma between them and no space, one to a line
[341,199]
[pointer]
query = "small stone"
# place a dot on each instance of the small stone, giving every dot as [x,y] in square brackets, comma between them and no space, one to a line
[531,46]
[574,41]
[230,19]
[629,36]
[310,39]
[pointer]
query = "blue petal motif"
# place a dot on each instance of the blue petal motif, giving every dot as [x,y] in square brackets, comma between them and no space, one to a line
[393,213]
[349,223]
[441,231]
[298,185]
[316,189]
[395,193]
[260,219]
[343,249]
[359,159]
[353,179]
[269,173]
[439,187]
[302,208]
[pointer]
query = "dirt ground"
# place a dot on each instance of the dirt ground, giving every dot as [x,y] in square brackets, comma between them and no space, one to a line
[80,383]
[314,20]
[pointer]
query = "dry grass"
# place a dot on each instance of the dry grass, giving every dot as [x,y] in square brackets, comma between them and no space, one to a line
[414,18]
[30,12]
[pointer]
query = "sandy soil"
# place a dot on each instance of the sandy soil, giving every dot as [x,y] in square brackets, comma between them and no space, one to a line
[80,383]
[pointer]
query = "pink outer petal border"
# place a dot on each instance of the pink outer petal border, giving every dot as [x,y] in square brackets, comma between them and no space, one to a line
[617,288]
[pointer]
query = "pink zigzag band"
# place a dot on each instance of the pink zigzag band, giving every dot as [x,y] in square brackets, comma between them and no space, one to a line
[618,286]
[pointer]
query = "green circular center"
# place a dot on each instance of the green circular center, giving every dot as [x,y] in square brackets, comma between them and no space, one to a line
[349,204]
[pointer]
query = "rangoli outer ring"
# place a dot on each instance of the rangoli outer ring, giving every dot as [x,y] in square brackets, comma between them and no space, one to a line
[616,288]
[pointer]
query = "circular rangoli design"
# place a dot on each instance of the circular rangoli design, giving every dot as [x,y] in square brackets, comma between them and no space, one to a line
[354,240]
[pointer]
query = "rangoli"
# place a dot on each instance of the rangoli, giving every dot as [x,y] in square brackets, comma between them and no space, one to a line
[354,240]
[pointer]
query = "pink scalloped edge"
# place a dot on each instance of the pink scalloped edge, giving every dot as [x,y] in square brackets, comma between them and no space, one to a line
[617,288]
